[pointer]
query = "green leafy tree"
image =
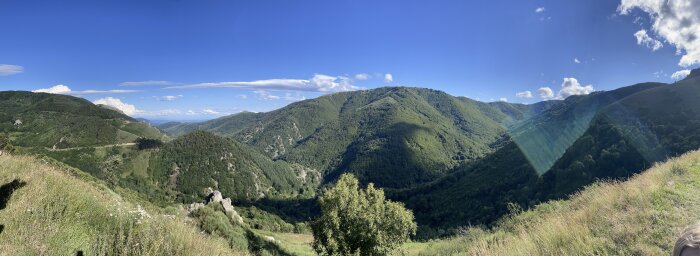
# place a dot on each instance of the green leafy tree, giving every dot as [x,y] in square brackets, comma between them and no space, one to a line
[360,222]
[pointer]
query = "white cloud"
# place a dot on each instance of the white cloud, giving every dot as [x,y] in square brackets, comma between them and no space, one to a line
[242,96]
[118,104]
[676,21]
[265,95]
[318,83]
[678,75]
[577,61]
[503,99]
[210,112]
[525,94]
[388,78]
[362,76]
[546,93]
[169,97]
[571,86]
[149,82]
[540,9]
[62,89]
[56,89]
[8,70]
[644,39]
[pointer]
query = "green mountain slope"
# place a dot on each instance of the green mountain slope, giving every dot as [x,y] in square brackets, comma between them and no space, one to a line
[641,216]
[625,135]
[50,210]
[394,137]
[60,121]
[186,166]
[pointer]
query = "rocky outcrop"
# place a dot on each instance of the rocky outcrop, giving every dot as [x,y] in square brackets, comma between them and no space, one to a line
[213,197]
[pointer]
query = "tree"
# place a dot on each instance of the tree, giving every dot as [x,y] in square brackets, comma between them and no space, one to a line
[354,221]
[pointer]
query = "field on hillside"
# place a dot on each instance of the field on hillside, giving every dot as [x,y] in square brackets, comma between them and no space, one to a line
[51,210]
[642,216]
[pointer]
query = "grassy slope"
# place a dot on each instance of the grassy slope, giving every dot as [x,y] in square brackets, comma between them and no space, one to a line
[61,210]
[641,216]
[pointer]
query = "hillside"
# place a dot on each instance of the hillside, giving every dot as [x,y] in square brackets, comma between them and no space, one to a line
[50,210]
[46,120]
[619,139]
[641,216]
[394,136]
[187,165]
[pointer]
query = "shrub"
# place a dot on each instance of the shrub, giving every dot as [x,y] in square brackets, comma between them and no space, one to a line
[359,222]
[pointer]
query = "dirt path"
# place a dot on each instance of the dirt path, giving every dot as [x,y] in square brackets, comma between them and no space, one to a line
[105,146]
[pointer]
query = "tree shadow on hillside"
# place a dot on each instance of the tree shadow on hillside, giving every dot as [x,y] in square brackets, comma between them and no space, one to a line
[6,192]
[385,159]
[290,210]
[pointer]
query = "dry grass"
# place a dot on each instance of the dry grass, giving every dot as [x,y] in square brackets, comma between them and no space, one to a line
[57,213]
[641,216]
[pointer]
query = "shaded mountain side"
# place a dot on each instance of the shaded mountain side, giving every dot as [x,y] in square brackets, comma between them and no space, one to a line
[544,138]
[641,216]
[186,166]
[363,132]
[622,139]
[61,121]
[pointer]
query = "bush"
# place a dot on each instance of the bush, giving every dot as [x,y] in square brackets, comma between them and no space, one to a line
[360,222]
[145,143]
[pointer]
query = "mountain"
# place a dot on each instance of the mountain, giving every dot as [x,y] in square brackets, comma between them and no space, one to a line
[606,135]
[641,216]
[187,165]
[394,137]
[61,121]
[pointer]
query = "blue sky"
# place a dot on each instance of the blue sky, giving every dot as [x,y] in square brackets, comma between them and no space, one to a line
[192,60]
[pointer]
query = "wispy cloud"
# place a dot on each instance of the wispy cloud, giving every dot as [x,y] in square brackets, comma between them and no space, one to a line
[8,70]
[540,9]
[318,83]
[577,61]
[362,76]
[525,94]
[168,97]
[143,83]
[62,89]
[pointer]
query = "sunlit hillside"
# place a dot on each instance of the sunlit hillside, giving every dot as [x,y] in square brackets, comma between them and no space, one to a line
[50,210]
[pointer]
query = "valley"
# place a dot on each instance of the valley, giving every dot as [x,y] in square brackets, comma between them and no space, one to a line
[477,176]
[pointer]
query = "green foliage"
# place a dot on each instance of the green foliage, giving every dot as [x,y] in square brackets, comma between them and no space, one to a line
[358,221]
[215,222]
[61,121]
[146,143]
[189,164]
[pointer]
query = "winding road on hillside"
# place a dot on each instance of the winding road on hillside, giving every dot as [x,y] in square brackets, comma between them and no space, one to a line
[104,146]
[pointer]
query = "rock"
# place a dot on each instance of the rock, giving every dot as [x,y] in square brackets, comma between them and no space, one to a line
[194,206]
[216,197]
[226,203]
[209,191]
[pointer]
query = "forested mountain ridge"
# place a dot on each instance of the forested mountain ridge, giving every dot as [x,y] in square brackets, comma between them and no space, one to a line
[635,127]
[392,136]
[60,121]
